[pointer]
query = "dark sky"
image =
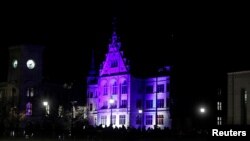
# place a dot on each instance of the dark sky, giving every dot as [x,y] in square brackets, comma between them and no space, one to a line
[209,39]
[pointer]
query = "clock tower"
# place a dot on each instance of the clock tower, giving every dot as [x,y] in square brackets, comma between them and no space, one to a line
[25,73]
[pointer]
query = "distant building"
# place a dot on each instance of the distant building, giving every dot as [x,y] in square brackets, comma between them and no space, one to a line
[26,91]
[115,97]
[238,95]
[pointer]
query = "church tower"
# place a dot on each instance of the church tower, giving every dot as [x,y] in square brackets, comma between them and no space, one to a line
[25,74]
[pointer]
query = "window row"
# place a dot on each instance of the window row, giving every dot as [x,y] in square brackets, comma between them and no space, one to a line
[123,104]
[159,89]
[149,119]
[122,119]
[114,88]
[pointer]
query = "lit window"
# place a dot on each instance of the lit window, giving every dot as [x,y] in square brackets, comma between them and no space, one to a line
[30,92]
[114,88]
[160,119]
[149,119]
[160,88]
[219,106]
[149,104]
[124,89]
[60,111]
[160,103]
[103,120]
[245,97]
[122,119]
[219,121]
[114,119]
[28,109]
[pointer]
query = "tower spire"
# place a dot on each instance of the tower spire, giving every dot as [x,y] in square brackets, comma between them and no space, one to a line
[92,65]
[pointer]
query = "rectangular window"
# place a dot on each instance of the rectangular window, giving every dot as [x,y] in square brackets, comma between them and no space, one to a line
[160,119]
[123,104]
[219,121]
[90,107]
[160,88]
[219,106]
[149,89]
[103,120]
[149,104]
[160,103]
[138,104]
[105,90]
[113,119]
[124,88]
[122,119]
[114,91]
[149,119]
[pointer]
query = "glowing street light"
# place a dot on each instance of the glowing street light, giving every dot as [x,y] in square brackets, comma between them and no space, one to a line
[46,105]
[202,110]
[140,114]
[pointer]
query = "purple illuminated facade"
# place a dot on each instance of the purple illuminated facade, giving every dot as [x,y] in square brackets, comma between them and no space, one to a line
[115,97]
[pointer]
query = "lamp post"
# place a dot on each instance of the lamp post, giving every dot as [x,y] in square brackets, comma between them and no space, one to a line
[140,113]
[46,105]
[111,101]
[72,118]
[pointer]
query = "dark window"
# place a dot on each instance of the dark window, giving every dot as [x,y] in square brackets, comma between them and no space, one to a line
[122,119]
[149,104]
[105,89]
[160,103]
[91,107]
[149,89]
[168,102]
[114,88]
[160,88]
[123,104]
[124,89]
[149,119]
[243,106]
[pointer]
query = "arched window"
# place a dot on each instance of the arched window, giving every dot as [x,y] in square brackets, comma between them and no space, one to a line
[28,109]
[114,88]
[124,87]
[105,89]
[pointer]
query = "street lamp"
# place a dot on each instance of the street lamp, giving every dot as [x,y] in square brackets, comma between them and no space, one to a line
[111,101]
[46,105]
[140,114]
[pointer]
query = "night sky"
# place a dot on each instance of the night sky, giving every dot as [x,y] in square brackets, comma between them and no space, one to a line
[201,41]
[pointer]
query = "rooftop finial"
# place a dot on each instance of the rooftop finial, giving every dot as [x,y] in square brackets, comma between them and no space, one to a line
[114,24]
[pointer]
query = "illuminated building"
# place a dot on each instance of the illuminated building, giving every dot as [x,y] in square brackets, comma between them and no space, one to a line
[115,96]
